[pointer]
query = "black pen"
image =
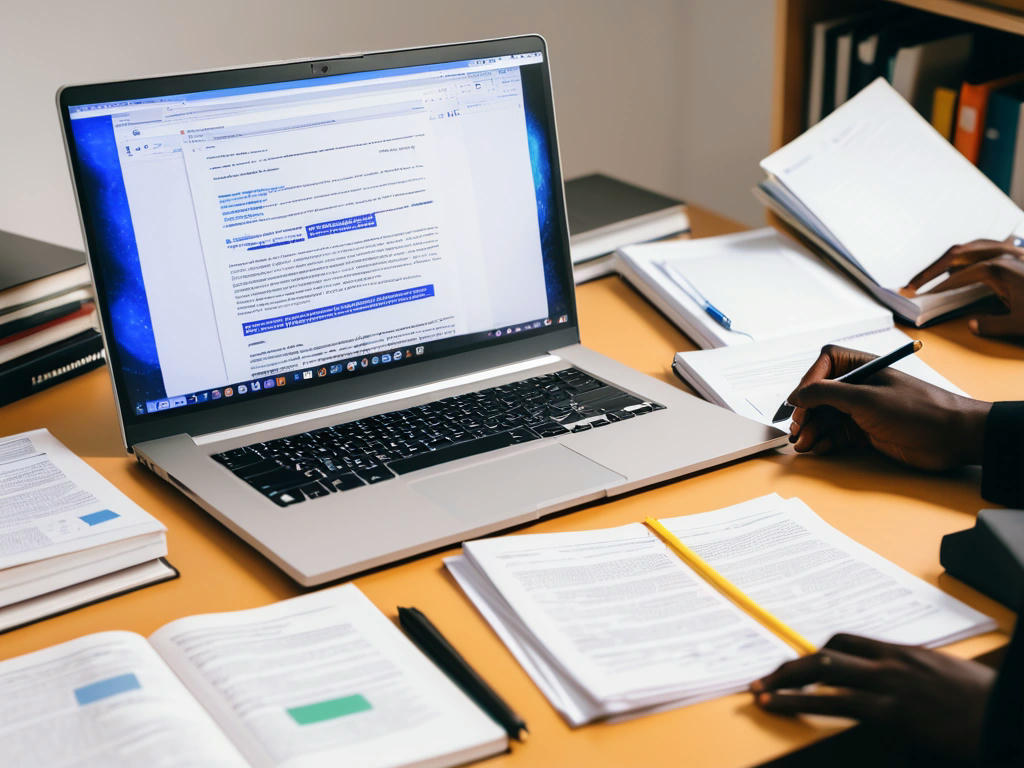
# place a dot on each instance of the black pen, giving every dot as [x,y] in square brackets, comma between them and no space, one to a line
[440,651]
[860,373]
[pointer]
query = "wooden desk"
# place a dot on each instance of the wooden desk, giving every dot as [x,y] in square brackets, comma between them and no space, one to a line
[898,513]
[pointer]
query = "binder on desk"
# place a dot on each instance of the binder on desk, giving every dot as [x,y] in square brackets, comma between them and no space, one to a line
[989,556]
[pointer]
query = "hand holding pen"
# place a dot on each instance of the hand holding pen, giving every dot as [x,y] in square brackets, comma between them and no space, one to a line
[891,412]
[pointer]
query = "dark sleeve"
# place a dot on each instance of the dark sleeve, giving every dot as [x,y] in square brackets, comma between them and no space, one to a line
[1002,466]
[1002,737]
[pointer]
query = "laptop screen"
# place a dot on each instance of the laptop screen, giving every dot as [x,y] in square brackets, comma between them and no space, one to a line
[258,239]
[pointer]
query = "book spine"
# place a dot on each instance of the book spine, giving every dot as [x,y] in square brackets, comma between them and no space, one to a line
[944,110]
[970,120]
[1017,175]
[996,156]
[51,365]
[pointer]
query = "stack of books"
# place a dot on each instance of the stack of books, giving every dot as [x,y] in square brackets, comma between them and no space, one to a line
[606,214]
[69,538]
[48,322]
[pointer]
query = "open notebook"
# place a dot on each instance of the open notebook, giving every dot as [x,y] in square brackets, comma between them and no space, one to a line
[614,622]
[319,680]
[784,304]
[754,380]
[883,195]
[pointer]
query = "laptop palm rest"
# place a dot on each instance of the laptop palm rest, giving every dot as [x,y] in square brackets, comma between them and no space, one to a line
[505,487]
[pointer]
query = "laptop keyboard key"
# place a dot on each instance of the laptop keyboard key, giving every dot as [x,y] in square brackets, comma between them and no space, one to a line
[375,475]
[346,481]
[286,498]
[452,452]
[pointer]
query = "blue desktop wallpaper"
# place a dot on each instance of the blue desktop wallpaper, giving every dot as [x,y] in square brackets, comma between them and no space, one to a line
[112,243]
[116,258]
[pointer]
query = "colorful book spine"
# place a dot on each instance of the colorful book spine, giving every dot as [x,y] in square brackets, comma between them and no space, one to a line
[944,110]
[999,142]
[970,123]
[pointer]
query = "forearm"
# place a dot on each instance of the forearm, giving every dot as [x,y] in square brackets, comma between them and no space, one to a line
[1002,478]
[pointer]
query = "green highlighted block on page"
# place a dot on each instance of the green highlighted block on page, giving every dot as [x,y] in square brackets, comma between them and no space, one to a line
[329,710]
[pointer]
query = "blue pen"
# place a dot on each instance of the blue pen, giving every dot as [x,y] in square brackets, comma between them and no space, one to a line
[694,293]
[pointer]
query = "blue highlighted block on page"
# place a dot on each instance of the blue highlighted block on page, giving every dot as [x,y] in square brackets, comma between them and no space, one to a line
[338,310]
[104,689]
[338,226]
[95,518]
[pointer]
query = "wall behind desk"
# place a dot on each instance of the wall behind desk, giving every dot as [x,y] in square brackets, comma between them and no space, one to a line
[672,94]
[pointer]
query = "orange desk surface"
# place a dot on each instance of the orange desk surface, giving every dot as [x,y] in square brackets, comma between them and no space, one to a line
[900,514]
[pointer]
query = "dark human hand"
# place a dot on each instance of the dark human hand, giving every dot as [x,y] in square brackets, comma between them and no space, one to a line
[997,264]
[903,417]
[933,699]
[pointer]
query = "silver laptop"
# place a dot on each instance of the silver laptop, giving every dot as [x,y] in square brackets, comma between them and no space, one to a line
[338,304]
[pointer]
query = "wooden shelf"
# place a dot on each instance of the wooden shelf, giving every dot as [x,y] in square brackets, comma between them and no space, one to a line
[985,14]
[792,28]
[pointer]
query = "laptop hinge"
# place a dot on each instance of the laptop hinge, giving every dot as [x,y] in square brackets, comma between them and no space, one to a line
[368,402]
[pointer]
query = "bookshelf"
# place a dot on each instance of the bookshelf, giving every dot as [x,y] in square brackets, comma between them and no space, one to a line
[792,30]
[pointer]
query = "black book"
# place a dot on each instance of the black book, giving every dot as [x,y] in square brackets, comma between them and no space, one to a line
[50,365]
[32,271]
[606,214]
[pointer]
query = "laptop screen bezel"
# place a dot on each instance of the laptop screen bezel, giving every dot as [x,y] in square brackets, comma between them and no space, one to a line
[137,428]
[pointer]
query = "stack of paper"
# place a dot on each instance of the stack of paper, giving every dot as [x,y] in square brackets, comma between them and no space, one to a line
[614,622]
[67,536]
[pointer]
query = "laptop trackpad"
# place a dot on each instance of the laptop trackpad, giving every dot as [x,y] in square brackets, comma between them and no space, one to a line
[512,485]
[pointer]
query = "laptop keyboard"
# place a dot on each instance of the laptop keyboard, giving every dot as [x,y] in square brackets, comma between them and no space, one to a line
[323,461]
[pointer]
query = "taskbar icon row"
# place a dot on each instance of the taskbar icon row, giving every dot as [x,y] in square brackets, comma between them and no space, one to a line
[277,381]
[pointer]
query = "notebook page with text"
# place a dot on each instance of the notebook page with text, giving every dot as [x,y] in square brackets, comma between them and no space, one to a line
[889,188]
[755,379]
[325,679]
[624,617]
[105,699]
[819,581]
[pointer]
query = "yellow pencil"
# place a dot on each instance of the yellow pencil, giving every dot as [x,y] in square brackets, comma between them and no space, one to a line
[704,568]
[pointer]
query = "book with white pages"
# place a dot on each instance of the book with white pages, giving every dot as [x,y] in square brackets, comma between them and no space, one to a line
[614,623]
[754,380]
[769,286]
[883,195]
[324,679]
[68,537]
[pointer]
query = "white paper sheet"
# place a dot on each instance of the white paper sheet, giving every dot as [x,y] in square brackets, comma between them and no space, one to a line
[818,580]
[52,502]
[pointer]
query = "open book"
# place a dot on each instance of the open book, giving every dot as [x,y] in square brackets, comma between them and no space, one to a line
[319,680]
[883,195]
[614,622]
